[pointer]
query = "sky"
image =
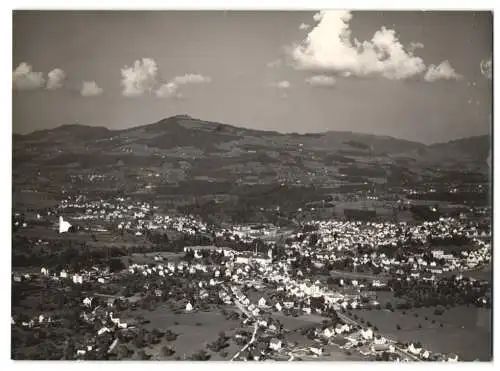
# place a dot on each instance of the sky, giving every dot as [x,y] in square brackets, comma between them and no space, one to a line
[422,76]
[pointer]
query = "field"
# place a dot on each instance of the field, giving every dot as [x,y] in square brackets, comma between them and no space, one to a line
[465,331]
[195,330]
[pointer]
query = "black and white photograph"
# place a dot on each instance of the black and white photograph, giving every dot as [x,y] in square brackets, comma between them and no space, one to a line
[240,185]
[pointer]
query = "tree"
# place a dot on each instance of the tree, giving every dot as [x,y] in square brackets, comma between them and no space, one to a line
[141,355]
[167,351]
[69,350]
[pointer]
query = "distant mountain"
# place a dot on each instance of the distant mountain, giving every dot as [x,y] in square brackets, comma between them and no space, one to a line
[182,148]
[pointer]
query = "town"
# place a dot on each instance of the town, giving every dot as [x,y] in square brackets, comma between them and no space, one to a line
[133,282]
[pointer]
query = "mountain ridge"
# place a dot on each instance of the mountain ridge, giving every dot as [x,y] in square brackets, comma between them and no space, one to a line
[187,117]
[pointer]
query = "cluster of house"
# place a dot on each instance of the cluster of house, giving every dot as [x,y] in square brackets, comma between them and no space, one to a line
[344,235]
[95,274]
[133,217]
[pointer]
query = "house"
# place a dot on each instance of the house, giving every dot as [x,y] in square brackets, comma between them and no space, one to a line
[44,271]
[328,333]
[63,274]
[452,358]
[383,348]
[414,349]
[189,307]
[367,334]
[278,307]
[365,350]
[88,301]
[103,331]
[77,279]
[262,302]
[379,340]
[64,226]
[316,351]
[256,312]
[262,323]
[425,354]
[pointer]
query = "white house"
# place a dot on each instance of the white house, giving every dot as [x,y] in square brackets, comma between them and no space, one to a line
[103,330]
[262,302]
[44,271]
[64,226]
[88,301]
[328,333]
[63,274]
[380,340]
[316,351]
[367,334]
[413,349]
[452,358]
[278,307]
[77,279]
[275,344]
[189,307]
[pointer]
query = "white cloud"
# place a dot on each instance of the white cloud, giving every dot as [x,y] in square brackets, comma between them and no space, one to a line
[171,88]
[486,67]
[444,71]
[328,48]
[90,89]
[190,78]
[56,79]
[321,80]
[274,64]
[144,77]
[414,46]
[23,78]
[140,78]
[283,84]
[167,90]
[304,26]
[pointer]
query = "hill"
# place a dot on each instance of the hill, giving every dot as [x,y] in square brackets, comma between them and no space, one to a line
[181,149]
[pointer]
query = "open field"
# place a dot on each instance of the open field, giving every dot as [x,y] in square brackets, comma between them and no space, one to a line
[465,330]
[195,330]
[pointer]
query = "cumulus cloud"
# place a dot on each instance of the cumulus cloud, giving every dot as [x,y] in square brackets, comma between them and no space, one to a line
[24,78]
[304,26]
[140,78]
[443,71]
[328,48]
[171,88]
[486,66]
[321,80]
[167,90]
[283,84]
[90,89]
[56,79]
[144,77]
